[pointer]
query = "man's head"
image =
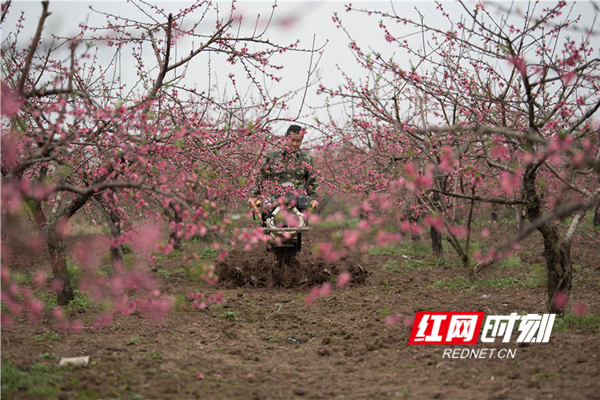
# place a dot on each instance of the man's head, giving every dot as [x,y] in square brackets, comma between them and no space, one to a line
[293,137]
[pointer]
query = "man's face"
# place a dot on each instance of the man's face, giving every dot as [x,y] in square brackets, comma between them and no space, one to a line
[294,141]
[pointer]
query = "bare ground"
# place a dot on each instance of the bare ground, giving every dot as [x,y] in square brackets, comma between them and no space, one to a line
[264,342]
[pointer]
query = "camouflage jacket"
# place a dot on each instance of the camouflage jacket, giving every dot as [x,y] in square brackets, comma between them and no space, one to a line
[280,167]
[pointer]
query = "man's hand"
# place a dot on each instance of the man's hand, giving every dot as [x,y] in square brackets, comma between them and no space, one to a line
[254,203]
[314,204]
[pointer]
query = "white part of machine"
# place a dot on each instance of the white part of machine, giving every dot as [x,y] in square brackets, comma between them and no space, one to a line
[274,221]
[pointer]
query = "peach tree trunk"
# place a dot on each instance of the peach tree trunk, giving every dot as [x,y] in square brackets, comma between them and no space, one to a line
[56,251]
[556,254]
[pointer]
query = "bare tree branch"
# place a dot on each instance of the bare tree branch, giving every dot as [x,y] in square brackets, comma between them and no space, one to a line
[32,49]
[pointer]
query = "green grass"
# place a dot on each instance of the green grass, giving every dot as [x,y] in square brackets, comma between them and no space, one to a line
[173,255]
[75,273]
[393,266]
[582,271]
[49,300]
[513,262]
[397,267]
[38,380]
[49,335]
[538,275]
[126,249]
[105,270]
[571,322]
[81,300]
[502,282]
[401,249]
[22,278]
[535,278]
[155,355]
[209,252]
[474,246]
[229,315]
[168,273]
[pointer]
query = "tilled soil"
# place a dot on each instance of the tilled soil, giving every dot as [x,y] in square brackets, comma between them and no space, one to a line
[257,269]
[265,342]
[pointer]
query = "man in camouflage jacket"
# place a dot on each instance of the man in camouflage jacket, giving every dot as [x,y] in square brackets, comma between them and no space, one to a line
[288,169]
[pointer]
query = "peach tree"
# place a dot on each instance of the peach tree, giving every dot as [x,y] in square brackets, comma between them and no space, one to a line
[107,123]
[485,109]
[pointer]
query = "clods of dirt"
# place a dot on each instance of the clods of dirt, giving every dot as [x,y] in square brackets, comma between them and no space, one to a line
[266,343]
[252,269]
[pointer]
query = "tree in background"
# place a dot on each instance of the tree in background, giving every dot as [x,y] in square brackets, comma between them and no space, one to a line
[79,138]
[492,110]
